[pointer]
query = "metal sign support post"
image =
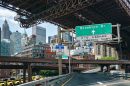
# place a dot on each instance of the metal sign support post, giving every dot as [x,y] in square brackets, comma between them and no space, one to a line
[118,32]
[60,56]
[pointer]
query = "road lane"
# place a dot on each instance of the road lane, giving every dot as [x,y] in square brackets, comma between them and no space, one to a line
[87,79]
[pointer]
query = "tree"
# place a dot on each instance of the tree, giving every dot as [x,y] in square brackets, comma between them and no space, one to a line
[107,58]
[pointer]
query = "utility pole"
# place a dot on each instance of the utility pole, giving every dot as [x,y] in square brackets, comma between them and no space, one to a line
[60,56]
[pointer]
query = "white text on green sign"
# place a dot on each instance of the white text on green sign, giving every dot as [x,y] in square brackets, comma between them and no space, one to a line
[97,29]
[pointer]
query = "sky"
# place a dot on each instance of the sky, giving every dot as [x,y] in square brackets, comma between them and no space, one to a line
[14,26]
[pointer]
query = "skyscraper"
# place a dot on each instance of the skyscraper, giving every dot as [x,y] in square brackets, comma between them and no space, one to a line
[15,43]
[52,38]
[24,39]
[5,47]
[40,33]
[67,37]
[5,33]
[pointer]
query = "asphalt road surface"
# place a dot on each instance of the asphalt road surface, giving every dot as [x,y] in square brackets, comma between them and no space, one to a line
[88,79]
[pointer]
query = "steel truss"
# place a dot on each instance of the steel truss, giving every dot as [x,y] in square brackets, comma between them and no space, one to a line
[57,11]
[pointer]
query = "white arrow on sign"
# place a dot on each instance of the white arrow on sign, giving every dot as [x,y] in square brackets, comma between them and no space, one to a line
[93,31]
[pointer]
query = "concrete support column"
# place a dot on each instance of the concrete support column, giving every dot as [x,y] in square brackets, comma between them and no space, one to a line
[126,71]
[24,72]
[108,68]
[29,72]
[102,66]
[67,70]
[71,68]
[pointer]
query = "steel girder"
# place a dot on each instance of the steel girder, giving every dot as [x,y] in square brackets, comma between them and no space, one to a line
[13,8]
[57,11]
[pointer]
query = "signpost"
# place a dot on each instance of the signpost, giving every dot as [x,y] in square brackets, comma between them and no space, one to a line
[98,32]
[59,46]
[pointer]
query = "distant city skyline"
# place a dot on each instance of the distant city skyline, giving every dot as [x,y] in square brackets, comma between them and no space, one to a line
[14,26]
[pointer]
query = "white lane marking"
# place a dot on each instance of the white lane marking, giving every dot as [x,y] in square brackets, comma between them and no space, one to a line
[101,83]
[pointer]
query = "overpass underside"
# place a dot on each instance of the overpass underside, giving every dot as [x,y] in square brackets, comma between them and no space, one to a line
[71,13]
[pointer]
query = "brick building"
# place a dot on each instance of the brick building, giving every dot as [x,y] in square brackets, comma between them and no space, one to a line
[89,57]
[48,53]
[78,57]
[4,73]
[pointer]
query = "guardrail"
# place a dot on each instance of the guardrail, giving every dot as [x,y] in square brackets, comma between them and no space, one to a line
[115,75]
[48,81]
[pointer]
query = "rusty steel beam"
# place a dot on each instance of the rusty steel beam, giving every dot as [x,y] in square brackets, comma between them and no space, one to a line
[13,8]
[58,11]
[23,3]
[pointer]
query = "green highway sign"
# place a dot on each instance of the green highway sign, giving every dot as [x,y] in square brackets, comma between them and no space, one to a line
[97,29]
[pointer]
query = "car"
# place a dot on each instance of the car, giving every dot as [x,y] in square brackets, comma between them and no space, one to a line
[20,80]
[15,82]
[8,82]
[33,78]
[2,83]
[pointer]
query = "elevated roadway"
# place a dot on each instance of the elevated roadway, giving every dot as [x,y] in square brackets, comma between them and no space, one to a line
[38,60]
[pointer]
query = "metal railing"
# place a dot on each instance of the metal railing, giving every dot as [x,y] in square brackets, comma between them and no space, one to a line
[48,81]
[115,75]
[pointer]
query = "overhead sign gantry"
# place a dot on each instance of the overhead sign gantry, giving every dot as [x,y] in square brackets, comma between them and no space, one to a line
[98,32]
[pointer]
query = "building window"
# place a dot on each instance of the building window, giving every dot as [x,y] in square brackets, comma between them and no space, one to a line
[46,55]
[104,50]
[37,54]
[110,52]
[0,69]
[33,54]
[49,48]
[98,49]
[5,74]
[46,48]
[33,50]
[0,74]
[52,55]
[37,50]
[52,47]
[49,55]
[5,69]
[40,51]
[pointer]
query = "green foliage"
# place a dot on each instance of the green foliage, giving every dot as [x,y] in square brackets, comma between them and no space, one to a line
[48,72]
[33,42]
[107,58]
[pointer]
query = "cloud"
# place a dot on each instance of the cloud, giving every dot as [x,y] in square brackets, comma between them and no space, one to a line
[7,13]
[3,18]
[12,20]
